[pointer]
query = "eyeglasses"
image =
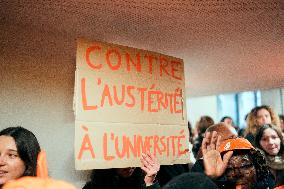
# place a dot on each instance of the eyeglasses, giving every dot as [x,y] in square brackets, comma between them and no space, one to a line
[242,169]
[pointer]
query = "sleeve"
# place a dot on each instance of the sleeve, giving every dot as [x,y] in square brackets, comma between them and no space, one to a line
[153,186]
[198,166]
[88,185]
[221,182]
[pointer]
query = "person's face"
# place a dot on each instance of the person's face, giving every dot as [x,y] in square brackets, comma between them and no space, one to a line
[263,117]
[282,125]
[11,165]
[125,172]
[270,142]
[241,171]
[228,121]
[227,132]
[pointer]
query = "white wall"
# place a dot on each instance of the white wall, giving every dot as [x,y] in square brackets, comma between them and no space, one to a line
[37,86]
[273,98]
[37,72]
[199,106]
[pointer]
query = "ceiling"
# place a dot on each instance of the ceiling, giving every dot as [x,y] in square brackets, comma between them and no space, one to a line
[226,45]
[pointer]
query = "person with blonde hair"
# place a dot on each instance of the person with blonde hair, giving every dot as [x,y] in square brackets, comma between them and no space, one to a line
[257,117]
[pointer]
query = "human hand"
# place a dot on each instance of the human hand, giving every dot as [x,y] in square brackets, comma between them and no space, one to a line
[214,165]
[150,166]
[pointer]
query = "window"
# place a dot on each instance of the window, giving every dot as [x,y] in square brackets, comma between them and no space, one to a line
[237,105]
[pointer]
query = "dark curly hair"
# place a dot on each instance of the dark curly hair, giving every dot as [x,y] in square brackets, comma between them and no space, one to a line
[27,147]
[259,162]
[263,174]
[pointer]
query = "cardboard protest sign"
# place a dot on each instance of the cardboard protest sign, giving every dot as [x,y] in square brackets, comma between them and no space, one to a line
[108,145]
[126,92]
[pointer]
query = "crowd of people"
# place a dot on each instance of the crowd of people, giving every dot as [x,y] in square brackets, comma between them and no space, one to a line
[224,158]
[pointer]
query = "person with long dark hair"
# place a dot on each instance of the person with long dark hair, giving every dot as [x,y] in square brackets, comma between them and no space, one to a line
[19,149]
[270,140]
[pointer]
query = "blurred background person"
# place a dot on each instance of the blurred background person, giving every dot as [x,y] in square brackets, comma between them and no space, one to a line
[257,117]
[227,120]
[202,124]
[242,131]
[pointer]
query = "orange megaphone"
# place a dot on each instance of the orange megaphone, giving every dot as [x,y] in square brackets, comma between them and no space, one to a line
[41,181]
[41,168]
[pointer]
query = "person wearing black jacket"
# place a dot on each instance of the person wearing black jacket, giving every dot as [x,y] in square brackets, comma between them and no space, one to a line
[168,172]
[233,163]
[110,179]
[127,178]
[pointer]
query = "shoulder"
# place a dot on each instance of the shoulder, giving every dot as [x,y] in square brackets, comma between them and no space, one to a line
[89,185]
[198,166]
[268,182]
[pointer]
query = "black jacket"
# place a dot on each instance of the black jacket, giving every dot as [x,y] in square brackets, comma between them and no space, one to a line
[223,183]
[108,179]
[251,138]
[168,172]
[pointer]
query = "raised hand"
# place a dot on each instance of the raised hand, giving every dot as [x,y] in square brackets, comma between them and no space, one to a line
[151,167]
[214,165]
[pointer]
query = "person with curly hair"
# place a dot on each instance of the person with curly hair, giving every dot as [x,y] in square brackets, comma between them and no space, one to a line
[234,163]
[257,117]
[269,140]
